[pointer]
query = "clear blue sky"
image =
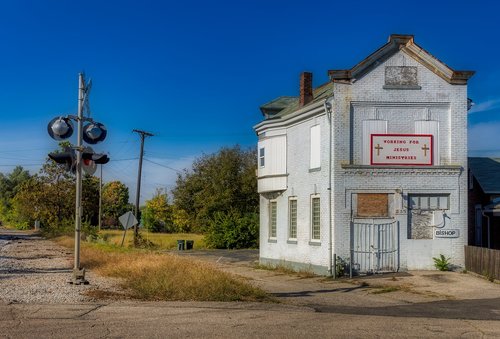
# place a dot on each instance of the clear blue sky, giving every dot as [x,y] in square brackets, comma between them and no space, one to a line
[194,73]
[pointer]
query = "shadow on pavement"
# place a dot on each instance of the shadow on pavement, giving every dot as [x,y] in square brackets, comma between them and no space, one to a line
[471,309]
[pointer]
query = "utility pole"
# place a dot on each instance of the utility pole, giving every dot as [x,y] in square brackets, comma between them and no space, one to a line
[143,135]
[100,198]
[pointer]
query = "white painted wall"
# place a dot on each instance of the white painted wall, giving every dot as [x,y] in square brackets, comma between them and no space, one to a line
[402,111]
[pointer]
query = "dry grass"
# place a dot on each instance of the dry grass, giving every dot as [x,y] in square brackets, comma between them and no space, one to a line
[161,240]
[156,276]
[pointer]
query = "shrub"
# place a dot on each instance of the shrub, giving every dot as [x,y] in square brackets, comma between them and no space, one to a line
[233,230]
[340,267]
[442,263]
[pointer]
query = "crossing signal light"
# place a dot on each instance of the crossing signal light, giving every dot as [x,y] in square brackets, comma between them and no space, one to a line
[94,133]
[67,157]
[98,158]
[60,128]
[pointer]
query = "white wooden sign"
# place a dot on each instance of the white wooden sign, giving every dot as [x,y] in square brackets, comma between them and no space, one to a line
[446,233]
[401,149]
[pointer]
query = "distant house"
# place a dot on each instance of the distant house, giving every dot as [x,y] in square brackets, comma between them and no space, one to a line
[369,168]
[484,202]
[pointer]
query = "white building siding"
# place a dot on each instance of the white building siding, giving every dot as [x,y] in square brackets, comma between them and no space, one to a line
[436,99]
[441,105]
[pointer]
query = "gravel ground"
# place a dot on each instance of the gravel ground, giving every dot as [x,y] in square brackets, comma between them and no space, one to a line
[35,270]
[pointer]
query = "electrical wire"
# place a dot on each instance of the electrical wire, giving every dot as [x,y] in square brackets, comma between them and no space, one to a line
[165,166]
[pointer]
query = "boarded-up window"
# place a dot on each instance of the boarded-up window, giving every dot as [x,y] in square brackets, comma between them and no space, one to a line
[315,158]
[373,205]
[371,127]
[423,218]
[401,76]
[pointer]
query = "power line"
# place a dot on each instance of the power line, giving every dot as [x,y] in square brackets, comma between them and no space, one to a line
[165,166]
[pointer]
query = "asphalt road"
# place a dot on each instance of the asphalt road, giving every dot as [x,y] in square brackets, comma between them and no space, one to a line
[421,304]
[227,320]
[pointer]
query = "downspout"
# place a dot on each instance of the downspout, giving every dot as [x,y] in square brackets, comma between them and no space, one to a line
[331,266]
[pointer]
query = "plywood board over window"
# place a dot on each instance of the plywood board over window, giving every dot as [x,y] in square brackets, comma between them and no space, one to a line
[371,205]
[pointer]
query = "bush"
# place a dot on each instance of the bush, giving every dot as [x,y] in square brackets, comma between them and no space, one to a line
[340,267]
[442,263]
[232,230]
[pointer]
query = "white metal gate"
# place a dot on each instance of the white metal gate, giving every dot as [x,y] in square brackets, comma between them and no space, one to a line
[374,247]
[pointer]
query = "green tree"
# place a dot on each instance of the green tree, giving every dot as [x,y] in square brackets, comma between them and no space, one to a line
[10,184]
[233,230]
[223,183]
[157,214]
[180,220]
[90,199]
[49,197]
[114,202]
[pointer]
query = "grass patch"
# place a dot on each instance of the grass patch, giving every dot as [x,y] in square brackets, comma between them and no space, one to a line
[154,276]
[285,269]
[165,241]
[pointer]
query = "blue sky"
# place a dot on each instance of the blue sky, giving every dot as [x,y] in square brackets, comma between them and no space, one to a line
[194,73]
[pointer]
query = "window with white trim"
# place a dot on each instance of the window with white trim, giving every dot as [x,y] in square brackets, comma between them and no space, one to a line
[292,218]
[272,218]
[262,160]
[315,155]
[315,218]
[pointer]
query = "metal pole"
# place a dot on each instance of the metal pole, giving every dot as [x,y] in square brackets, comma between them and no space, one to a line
[100,198]
[142,134]
[332,266]
[78,273]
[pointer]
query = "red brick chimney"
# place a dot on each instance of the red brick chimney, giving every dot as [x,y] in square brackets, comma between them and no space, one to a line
[306,88]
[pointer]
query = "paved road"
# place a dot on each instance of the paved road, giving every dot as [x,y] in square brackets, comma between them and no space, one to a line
[420,305]
[226,320]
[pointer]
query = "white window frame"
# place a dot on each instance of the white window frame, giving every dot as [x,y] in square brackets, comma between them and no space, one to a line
[273,219]
[292,219]
[262,157]
[314,218]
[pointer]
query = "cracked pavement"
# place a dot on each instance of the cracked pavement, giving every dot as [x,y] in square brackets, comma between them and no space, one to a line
[422,304]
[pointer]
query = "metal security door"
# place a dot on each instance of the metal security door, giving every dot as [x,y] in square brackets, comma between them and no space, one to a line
[375,247]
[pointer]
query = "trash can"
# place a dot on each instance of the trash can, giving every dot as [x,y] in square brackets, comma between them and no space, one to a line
[189,244]
[180,245]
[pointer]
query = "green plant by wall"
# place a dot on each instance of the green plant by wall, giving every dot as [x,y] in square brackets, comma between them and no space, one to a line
[340,267]
[442,263]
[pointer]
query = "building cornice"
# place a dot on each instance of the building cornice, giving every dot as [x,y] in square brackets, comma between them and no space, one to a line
[314,109]
[367,170]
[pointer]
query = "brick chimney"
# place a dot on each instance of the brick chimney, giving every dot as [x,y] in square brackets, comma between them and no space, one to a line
[306,88]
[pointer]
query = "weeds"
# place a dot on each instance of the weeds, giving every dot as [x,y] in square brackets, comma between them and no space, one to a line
[154,276]
[490,277]
[442,263]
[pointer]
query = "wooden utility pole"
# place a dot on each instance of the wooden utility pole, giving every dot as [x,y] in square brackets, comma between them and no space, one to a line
[143,135]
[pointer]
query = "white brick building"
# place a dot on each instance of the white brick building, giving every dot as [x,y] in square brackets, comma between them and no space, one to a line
[370,168]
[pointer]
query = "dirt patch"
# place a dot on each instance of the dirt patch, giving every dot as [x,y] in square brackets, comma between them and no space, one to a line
[440,278]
